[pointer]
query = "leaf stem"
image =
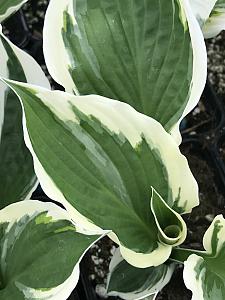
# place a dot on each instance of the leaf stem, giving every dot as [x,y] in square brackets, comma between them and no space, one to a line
[180,255]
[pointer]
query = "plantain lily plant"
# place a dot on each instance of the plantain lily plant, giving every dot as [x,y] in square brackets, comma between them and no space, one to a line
[106,149]
[8,7]
[210,15]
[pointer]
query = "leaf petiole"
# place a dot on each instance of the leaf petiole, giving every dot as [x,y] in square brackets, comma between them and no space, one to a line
[180,255]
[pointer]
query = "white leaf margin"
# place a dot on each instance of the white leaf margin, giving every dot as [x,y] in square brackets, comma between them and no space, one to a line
[183,233]
[32,70]
[136,295]
[58,68]
[207,239]
[210,15]
[199,66]
[202,9]
[14,212]
[122,118]
[3,87]
[143,260]
[33,74]
[189,275]
[138,125]
[11,10]
[216,22]
[190,280]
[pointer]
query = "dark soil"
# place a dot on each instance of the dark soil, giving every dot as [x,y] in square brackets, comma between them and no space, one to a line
[200,218]
[175,290]
[222,150]
[201,120]
[34,12]
[198,221]
[216,63]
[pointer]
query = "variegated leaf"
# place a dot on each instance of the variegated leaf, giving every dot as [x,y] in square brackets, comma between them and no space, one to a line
[17,178]
[210,15]
[216,22]
[100,158]
[130,283]
[204,274]
[8,7]
[149,54]
[40,252]
[202,9]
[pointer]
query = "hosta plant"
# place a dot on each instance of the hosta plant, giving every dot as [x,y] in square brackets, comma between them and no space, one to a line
[39,253]
[8,7]
[107,149]
[16,164]
[210,15]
